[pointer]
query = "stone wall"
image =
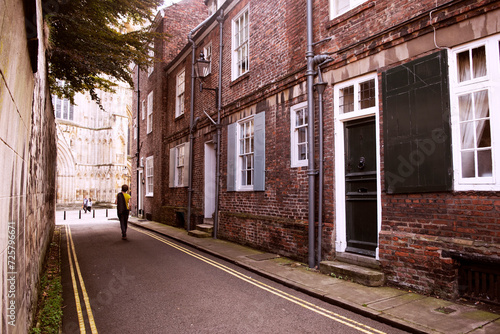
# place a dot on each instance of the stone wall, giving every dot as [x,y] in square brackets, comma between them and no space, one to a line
[28,160]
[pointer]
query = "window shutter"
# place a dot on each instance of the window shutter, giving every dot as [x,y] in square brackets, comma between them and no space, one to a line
[260,152]
[185,175]
[417,137]
[231,156]
[171,169]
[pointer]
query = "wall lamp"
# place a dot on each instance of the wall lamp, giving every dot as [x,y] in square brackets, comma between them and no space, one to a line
[202,69]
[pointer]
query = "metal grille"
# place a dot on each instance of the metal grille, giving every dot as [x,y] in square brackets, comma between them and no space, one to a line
[479,281]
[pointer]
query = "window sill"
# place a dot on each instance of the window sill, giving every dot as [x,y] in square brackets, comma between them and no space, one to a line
[239,79]
[349,14]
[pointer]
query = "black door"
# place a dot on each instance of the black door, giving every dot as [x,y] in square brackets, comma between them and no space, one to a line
[361,186]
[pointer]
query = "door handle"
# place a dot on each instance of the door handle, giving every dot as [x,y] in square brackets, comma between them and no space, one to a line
[361,163]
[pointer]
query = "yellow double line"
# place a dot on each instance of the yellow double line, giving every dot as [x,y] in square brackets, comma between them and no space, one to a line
[303,303]
[72,253]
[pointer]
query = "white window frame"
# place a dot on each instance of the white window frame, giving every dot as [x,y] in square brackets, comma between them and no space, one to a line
[339,120]
[143,109]
[64,107]
[240,44]
[180,87]
[294,135]
[358,111]
[178,168]
[180,163]
[241,156]
[335,11]
[149,176]
[149,125]
[491,83]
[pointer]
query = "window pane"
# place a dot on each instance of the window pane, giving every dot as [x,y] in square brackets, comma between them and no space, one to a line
[299,119]
[346,99]
[367,94]
[483,134]
[463,66]
[468,167]
[481,104]
[479,61]
[302,135]
[484,163]
[465,107]
[467,134]
[302,152]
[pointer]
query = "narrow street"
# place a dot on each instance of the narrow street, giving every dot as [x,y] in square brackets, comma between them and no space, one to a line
[149,284]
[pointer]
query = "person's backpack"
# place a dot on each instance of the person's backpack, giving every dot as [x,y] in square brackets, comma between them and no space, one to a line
[121,205]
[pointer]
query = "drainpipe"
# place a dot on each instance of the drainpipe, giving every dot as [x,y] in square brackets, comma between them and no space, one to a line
[310,128]
[320,87]
[220,19]
[138,134]
[191,121]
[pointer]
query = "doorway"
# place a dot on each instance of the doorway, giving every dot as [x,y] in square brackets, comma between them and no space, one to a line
[360,170]
[210,179]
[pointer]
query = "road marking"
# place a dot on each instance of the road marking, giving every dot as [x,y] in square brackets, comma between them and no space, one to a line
[90,315]
[303,303]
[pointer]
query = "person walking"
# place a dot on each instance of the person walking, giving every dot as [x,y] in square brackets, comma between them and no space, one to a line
[85,202]
[89,205]
[123,209]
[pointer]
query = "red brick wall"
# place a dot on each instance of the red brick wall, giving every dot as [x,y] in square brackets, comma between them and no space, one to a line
[178,20]
[417,228]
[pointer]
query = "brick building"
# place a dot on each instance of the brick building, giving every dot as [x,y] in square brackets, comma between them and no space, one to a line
[407,126]
[149,117]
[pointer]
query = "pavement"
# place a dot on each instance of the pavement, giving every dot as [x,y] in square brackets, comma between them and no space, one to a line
[400,308]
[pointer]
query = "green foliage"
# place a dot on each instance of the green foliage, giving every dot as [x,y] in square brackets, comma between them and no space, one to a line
[50,315]
[91,43]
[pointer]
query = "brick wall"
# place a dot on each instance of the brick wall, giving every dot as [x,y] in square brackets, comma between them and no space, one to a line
[418,228]
[178,19]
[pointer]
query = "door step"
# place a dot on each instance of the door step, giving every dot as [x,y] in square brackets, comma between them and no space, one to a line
[360,269]
[202,231]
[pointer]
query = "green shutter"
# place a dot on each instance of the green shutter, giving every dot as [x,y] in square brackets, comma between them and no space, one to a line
[416,116]
[260,152]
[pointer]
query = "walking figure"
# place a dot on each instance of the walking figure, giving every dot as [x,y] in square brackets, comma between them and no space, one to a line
[122,208]
[85,202]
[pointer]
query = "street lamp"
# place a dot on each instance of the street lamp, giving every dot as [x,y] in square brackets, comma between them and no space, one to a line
[202,69]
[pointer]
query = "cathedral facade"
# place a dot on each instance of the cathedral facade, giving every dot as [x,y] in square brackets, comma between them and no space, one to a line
[93,146]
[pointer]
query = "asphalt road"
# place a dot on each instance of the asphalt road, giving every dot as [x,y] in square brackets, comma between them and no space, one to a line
[149,284]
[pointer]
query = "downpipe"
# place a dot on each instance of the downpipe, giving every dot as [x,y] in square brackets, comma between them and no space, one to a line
[320,88]
[220,19]
[311,172]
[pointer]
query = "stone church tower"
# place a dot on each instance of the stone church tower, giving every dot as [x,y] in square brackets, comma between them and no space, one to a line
[93,146]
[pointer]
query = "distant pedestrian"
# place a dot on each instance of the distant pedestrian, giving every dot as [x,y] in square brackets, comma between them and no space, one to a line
[89,205]
[85,203]
[123,209]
